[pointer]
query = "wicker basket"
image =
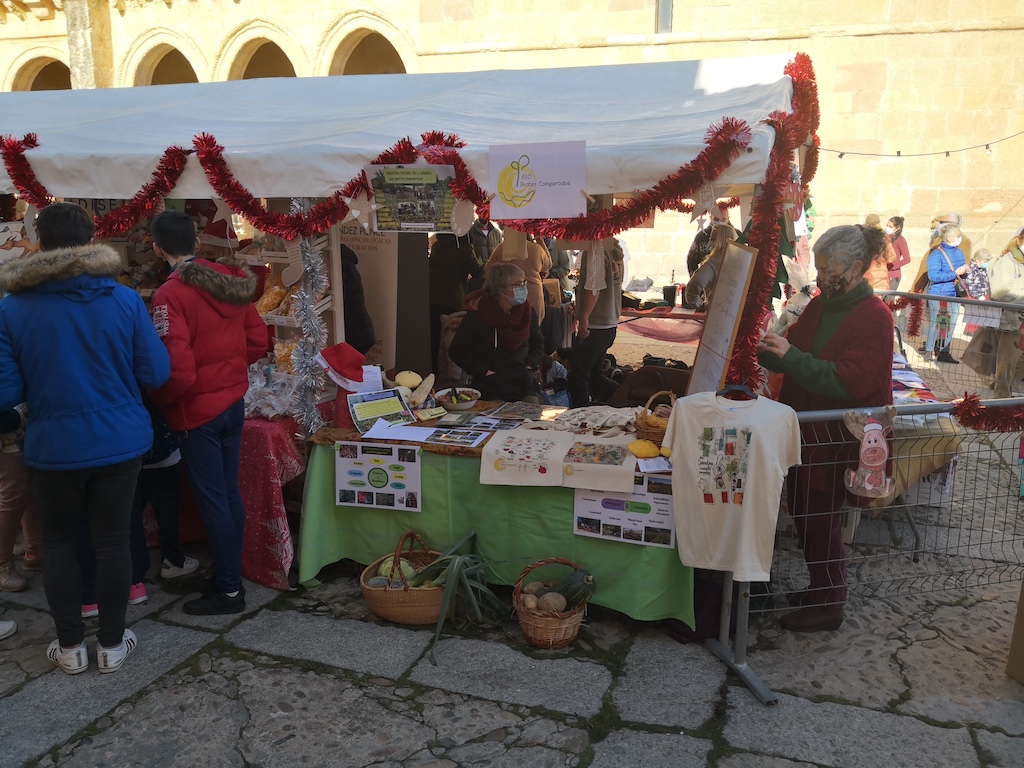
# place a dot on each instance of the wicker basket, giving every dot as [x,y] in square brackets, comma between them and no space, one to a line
[651,432]
[545,629]
[405,604]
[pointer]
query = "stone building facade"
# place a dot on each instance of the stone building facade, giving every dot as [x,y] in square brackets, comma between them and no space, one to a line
[917,77]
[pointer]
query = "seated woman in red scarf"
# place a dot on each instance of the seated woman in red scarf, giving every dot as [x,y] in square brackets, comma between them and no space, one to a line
[499,342]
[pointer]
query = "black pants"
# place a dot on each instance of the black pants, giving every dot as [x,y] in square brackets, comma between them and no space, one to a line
[585,377]
[67,502]
[159,488]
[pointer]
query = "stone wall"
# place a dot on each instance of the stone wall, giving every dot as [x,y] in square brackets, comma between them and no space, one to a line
[918,77]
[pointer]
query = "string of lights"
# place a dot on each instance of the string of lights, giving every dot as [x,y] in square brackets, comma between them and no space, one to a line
[947,152]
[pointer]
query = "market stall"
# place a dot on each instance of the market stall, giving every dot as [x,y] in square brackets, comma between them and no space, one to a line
[680,131]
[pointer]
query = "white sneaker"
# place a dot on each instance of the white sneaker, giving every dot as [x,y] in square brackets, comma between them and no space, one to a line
[71,660]
[170,571]
[111,659]
[7,628]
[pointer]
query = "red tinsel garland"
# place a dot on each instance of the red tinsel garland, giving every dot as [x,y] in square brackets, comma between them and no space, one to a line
[811,162]
[973,415]
[20,171]
[791,130]
[916,312]
[120,220]
[764,236]
[116,222]
[724,142]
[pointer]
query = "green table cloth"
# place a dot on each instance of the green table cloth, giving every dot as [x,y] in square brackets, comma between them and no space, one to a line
[515,526]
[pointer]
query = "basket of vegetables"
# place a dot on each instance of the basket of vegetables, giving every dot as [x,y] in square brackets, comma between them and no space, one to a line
[393,588]
[652,424]
[550,613]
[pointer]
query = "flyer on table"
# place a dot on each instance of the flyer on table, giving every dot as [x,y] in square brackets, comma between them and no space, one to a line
[642,517]
[538,181]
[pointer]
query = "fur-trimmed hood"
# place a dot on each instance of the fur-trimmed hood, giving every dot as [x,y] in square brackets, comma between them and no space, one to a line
[233,285]
[27,272]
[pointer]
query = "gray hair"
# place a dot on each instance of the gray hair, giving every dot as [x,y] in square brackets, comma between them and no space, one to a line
[844,245]
[947,230]
[500,277]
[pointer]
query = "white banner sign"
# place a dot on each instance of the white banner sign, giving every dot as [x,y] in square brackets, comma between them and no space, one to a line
[538,181]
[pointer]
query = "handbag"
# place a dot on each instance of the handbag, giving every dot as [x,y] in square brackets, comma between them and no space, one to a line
[958,285]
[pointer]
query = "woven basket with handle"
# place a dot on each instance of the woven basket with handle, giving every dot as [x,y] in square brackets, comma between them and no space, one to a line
[404,604]
[649,426]
[546,629]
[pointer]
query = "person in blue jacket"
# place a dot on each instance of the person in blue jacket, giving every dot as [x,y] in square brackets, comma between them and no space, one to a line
[78,347]
[946,263]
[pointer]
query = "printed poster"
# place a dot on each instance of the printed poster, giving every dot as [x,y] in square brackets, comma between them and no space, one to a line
[412,198]
[378,476]
[643,516]
[538,181]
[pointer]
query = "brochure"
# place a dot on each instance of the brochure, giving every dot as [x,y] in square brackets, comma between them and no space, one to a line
[367,407]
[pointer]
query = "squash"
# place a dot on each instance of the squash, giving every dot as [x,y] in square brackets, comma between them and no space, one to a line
[643,449]
[666,452]
[551,602]
[577,588]
[409,379]
[529,602]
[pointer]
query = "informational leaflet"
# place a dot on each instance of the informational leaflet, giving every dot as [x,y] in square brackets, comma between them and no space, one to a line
[367,407]
[642,517]
[378,475]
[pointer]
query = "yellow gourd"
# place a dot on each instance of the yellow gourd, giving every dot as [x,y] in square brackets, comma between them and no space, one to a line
[643,449]
[666,452]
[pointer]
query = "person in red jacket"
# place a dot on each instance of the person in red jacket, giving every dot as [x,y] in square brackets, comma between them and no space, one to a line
[837,356]
[205,316]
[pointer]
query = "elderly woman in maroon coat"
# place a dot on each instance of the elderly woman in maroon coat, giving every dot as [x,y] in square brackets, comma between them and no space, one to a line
[838,355]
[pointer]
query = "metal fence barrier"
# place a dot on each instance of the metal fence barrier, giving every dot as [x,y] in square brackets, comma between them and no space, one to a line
[953,521]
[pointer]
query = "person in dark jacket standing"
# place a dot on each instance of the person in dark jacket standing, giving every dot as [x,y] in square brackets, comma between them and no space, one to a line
[78,347]
[205,316]
[452,263]
[358,323]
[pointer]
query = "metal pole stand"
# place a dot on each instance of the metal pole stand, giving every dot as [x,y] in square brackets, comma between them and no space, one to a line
[736,659]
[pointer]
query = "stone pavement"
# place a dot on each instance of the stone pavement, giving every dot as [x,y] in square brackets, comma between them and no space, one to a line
[308,678]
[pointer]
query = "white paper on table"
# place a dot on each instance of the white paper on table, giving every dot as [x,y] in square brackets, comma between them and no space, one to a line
[382,430]
[373,379]
[381,476]
[657,464]
[525,457]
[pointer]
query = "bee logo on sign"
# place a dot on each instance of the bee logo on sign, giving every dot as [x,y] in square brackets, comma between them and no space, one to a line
[517,184]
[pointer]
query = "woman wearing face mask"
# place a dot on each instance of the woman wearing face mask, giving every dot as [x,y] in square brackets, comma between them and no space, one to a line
[946,263]
[838,355]
[894,233]
[499,342]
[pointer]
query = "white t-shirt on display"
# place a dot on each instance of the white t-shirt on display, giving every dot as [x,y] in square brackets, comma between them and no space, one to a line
[729,459]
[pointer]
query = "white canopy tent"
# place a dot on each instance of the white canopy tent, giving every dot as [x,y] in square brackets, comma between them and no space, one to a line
[308,137]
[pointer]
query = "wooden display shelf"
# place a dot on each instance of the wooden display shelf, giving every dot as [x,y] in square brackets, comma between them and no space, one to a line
[286,321]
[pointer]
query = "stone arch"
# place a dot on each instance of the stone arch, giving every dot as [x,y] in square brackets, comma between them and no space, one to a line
[343,38]
[147,52]
[25,70]
[242,45]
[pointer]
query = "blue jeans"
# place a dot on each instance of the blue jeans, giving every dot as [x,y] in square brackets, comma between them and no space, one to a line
[82,505]
[933,323]
[210,454]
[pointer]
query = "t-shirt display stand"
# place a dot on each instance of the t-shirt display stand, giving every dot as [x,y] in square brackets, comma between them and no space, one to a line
[726,487]
[735,657]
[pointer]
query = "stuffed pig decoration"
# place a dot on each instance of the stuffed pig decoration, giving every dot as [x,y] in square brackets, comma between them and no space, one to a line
[870,479]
